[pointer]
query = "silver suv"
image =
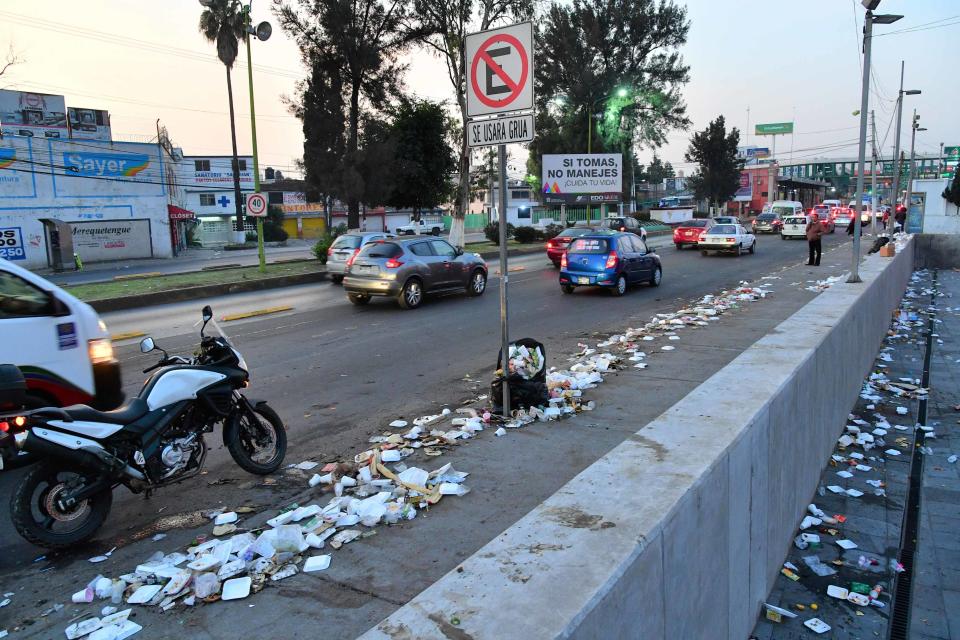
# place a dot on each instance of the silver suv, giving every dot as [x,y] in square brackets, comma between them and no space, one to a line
[346,247]
[410,267]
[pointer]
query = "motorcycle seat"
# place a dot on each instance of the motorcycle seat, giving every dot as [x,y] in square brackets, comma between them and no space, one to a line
[126,413]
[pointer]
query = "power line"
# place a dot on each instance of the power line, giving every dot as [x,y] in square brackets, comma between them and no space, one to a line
[922,28]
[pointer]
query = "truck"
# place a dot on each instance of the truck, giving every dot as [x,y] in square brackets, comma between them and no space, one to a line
[422,228]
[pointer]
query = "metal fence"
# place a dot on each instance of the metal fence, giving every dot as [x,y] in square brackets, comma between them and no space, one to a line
[572,215]
[471,222]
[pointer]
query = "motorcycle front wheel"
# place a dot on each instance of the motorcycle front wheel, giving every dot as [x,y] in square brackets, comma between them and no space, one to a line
[258,439]
[37,516]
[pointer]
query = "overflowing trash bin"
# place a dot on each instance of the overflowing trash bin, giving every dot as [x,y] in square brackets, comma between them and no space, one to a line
[526,376]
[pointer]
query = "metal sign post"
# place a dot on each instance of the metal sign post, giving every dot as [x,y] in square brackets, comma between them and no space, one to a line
[500,85]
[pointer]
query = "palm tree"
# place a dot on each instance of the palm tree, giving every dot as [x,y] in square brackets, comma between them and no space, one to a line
[223,22]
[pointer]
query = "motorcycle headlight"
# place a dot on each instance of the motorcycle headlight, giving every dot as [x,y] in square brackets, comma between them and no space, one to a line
[100,351]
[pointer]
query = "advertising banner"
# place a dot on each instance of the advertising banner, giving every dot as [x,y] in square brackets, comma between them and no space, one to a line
[11,244]
[85,171]
[33,114]
[774,128]
[583,178]
[745,191]
[17,177]
[89,124]
[112,239]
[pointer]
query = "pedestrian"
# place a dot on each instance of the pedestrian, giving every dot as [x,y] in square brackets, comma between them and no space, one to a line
[901,218]
[850,226]
[815,230]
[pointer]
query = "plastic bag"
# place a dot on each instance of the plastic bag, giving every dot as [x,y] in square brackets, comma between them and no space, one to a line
[206,585]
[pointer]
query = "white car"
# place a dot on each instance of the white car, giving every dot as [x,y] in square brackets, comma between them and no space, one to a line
[727,237]
[794,227]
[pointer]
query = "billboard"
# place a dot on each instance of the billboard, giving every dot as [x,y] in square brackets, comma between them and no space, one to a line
[745,191]
[774,128]
[89,124]
[41,115]
[583,178]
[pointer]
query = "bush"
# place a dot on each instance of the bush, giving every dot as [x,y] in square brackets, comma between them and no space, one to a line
[552,230]
[492,232]
[526,235]
[644,216]
[320,248]
[338,230]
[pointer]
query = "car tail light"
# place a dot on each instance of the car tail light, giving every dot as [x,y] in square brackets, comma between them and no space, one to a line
[563,261]
[4,427]
[623,228]
[352,257]
[551,244]
[611,260]
[393,263]
[730,240]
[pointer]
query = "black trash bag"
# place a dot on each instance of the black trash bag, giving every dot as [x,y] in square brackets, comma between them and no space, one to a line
[879,242]
[524,392]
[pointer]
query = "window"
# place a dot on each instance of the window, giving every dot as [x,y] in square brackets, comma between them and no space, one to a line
[442,249]
[208,199]
[589,245]
[421,249]
[19,298]
[347,242]
[201,165]
[639,244]
[520,195]
[275,197]
[242,164]
[380,250]
[523,212]
[724,229]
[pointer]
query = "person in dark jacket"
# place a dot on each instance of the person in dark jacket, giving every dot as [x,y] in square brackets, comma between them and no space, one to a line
[815,230]
[901,218]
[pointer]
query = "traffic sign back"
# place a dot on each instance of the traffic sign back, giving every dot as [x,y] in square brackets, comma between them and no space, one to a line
[500,70]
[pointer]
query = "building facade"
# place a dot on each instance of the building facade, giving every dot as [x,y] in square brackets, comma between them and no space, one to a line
[207,185]
[110,197]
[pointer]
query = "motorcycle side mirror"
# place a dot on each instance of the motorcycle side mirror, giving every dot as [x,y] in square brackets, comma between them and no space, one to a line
[147,345]
[207,313]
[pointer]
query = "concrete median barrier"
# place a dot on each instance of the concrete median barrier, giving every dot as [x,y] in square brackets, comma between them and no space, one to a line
[679,531]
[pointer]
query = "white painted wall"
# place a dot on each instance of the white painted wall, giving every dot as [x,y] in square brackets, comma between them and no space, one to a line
[81,181]
[939,216]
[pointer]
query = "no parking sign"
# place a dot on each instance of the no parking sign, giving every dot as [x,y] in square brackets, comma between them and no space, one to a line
[500,70]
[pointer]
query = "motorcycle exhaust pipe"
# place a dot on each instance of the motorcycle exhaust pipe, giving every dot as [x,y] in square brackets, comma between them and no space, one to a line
[101,460]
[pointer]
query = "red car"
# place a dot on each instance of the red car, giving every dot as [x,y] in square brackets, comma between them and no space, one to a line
[689,232]
[557,246]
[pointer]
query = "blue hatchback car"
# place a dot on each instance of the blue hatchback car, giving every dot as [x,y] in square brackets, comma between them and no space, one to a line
[609,259]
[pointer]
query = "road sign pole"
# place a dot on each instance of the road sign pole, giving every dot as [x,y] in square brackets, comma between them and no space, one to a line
[864,104]
[504,277]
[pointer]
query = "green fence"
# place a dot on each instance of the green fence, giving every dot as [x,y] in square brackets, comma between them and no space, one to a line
[471,222]
[573,214]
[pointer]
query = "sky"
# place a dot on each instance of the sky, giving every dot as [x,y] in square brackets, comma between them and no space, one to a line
[784,61]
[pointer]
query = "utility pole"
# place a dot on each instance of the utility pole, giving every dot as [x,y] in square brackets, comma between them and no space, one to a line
[914,127]
[873,174]
[864,103]
[896,145]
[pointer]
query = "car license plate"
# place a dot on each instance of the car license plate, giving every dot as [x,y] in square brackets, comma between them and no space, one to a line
[582,280]
[362,268]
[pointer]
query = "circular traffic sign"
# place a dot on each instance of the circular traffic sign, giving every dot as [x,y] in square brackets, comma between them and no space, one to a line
[256,204]
[515,86]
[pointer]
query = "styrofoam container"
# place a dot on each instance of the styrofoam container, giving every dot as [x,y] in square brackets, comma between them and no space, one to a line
[236,589]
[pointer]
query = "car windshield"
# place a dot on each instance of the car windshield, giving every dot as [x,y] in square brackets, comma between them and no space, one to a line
[724,221]
[764,217]
[694,223]
[723,229]
[347,242]
[784,210]
[380,250]
[821,207]
[589,245]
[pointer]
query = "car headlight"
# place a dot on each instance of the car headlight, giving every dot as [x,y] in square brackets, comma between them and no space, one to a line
[100,350]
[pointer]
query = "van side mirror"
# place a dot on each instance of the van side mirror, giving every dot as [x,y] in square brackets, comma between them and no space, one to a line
[207,313]
[147,345]
[458,251]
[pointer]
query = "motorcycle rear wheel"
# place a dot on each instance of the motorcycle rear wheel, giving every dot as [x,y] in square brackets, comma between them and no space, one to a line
[40,521]
[259,444]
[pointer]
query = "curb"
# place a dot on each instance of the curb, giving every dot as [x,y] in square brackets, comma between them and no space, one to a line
[203,291]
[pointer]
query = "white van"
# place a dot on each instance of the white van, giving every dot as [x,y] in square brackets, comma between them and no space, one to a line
[60,343]
[787,208]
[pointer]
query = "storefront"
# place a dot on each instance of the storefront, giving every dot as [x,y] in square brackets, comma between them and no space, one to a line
[181,221]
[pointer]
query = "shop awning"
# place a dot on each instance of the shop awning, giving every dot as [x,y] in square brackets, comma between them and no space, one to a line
[176,213]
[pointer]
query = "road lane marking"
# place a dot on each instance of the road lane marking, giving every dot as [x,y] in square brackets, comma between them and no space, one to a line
[127,335]
[253,314]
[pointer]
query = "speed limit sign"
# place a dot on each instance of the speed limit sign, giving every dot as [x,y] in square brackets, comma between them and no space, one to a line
[256,205]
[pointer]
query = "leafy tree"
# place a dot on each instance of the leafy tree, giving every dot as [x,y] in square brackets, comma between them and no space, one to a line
[445,26]
[222,22]
[715,151]
[658,171]
[609,70]
[423,161]
[360,43]
[952,193]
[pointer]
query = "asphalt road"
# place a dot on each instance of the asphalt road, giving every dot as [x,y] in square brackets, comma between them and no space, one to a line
[338,373]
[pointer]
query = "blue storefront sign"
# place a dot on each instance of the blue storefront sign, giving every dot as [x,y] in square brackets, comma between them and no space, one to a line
[11,243]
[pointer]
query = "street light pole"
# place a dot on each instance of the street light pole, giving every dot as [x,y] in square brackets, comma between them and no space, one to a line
[914,127]
[873,173]
[253,131]
[896,144]
[864,107]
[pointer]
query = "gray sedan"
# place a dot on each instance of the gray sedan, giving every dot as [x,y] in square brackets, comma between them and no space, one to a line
[409,268]
[347,246]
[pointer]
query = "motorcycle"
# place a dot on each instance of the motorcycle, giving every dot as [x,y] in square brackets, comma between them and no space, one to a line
[151,441]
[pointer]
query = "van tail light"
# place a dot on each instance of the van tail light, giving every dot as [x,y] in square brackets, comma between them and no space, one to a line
[563,260]
[352,257]
[393,263]
[611,260]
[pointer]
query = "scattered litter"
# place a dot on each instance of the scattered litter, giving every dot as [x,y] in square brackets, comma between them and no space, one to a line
[846,544]
[816,624]
[777,612]
[835,591]
[226,518]
[316,563]
[903,411]
[236,589]
[306,465]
